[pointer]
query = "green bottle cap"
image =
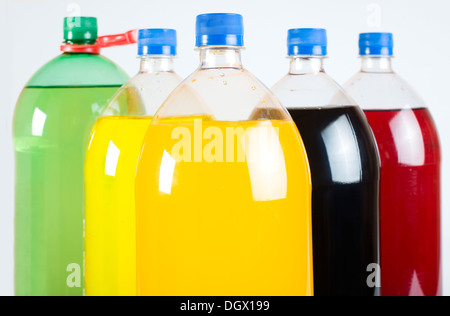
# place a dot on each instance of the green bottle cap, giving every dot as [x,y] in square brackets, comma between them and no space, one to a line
[80,30]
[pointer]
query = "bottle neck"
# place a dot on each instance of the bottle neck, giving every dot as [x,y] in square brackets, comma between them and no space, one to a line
[155,64]
[220,57]
[304,65]
[80,42]
[377,64]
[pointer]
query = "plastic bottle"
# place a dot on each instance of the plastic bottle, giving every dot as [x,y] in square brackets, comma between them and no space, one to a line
[344,167]
[111,167]
[410,172]
[223,185]
[53,119]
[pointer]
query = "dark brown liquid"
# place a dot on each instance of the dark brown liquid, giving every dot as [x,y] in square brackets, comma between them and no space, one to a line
[345,177]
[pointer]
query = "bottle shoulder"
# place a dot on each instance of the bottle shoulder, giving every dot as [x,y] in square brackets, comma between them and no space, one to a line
[226,94]
[143,94]
[311,90]
[154,80]
[383,91]
[79,70]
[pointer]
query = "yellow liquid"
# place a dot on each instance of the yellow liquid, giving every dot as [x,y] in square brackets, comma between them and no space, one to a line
[110,232]
[223,228]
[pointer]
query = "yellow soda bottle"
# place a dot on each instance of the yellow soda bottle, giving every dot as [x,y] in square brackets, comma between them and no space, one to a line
[223,185]
[110,168]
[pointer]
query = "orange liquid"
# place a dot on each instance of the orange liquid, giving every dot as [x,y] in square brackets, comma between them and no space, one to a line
[237,227]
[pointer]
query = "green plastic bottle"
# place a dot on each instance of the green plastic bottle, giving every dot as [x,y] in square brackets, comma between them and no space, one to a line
[52,124]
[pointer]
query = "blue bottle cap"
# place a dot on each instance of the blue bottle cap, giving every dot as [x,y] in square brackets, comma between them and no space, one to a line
[157,42]
[376,44]
[307,42]
[220,29]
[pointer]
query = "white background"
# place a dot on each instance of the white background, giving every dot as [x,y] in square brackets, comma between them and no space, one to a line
[31,32]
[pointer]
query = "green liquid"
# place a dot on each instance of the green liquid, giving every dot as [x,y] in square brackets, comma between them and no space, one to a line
[52,128]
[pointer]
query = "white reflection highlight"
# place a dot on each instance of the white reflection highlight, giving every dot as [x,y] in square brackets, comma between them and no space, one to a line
[408,139]
[266,163]
[416,288]
[343,151]
[166,173]
[96,109]
[92,139]
[112,158]
[39,118]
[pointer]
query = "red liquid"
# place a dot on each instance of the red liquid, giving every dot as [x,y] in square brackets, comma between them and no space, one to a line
[410,202]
